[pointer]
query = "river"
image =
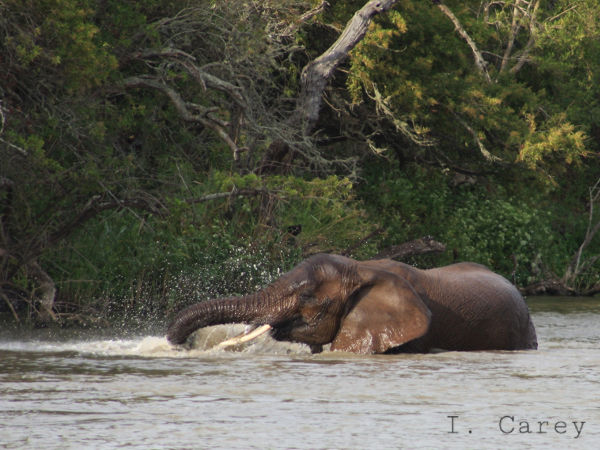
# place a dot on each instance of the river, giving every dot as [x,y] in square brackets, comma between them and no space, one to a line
[66,391]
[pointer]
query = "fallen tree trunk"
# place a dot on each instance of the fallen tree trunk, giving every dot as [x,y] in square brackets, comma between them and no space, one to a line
[416,247]
[548,287]
[556,287]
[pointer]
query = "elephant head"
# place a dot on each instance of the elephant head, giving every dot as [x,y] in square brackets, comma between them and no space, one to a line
[326,299]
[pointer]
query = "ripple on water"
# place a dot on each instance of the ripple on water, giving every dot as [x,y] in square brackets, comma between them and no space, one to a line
[143,393]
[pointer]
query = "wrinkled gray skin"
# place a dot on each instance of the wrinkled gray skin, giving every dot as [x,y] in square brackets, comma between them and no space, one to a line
[377,307]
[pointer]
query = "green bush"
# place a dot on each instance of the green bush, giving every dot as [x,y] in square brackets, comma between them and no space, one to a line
[126,262]
[407,204]
[505,234]
[523,235]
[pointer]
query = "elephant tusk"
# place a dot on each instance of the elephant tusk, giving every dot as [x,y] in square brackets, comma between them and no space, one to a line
[245,336]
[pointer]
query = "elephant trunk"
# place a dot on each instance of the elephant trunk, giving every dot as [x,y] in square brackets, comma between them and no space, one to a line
[264,307]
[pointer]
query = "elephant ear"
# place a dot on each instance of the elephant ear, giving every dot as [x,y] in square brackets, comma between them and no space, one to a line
[387,312]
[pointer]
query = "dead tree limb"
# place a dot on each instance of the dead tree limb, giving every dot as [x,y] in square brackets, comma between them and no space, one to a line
[548,287]
[576,265]
[10,306]
[479,61]
[484,151]
[315,74]
[532,32]
[99,203]
[416,247]
[294,26]
[46,289]
[567,285]
[22,151]
[188,62]
[514,30]
[190,112]
[382,106]
[24,257]
[232,193]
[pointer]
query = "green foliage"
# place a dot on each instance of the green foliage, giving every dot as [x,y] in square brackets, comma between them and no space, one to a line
[72,137]
[519,234]
[506,234]
[59,38]
[210,248]
[408,204]
[324,208]
[560,143]
[418,67]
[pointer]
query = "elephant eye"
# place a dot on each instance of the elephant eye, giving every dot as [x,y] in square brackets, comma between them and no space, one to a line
[306,296]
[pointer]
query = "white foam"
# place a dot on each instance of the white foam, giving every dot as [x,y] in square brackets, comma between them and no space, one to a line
[205,342]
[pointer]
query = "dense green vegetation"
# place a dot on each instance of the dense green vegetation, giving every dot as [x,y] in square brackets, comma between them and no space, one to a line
[151,153]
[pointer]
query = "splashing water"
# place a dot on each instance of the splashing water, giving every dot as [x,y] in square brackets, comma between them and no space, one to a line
[204,342]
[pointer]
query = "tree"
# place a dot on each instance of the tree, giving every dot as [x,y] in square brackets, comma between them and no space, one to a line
[415,70]
[253,105]
[579,265]
[56,171]
[78,144]
[174,131]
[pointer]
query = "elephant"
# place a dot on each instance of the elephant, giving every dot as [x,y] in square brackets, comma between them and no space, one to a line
[376,306]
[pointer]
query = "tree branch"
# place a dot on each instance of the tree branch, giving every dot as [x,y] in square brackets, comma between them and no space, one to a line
[10,306]
[187,61]
[233,193]
[420,246]
[315,74]
[46,287]
[95,205]
[575,267]
[484,151]
[525,54]
[401,126]
[293,27]
[514,29]
[203,116]
[479,61]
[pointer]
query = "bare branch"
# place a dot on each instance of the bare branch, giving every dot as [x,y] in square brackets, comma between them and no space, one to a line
[532,32]
[187,61]
[22,151]
[46,287]
[97,204]
[401,126]
[293,27]
[479,61]
[484,151]
[202,117]
[2,118]
[233,193]
[10,306]
[562,13]
[514,29]
[166,52]
[412,248]
[576,266]
[316,73]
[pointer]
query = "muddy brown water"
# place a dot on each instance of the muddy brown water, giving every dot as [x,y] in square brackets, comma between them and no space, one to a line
[138,392]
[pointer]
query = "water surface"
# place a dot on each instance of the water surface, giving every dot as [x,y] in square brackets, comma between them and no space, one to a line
[84,391]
